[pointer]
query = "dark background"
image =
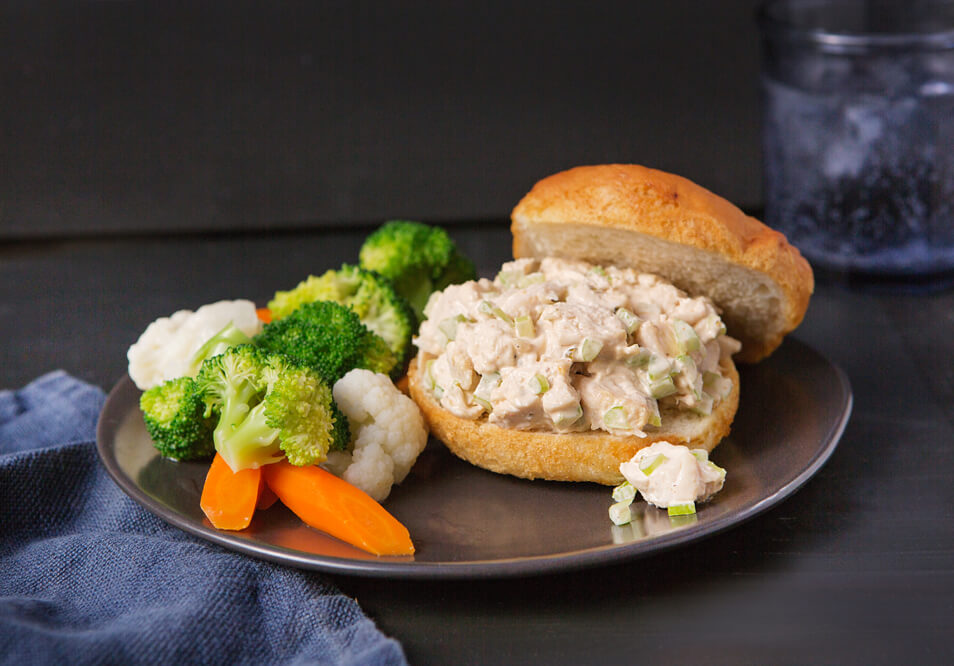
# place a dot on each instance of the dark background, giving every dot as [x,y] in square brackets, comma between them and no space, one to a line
[168,116]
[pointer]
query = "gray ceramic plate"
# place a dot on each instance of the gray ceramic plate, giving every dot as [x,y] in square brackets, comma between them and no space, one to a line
[469,523]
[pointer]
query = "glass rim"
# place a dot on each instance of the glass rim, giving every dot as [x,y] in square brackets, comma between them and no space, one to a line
[839,41]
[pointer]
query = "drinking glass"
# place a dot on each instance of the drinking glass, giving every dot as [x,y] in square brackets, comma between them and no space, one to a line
[858,132]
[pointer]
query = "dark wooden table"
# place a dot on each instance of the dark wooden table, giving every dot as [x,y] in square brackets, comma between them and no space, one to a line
[857,567]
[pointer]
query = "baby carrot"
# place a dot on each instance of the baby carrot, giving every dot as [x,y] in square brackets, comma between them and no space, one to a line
[265,496]
[264,315]
[332,505]
[228,498]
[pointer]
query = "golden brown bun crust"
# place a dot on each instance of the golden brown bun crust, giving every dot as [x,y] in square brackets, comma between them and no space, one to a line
[657,222]
[591,456]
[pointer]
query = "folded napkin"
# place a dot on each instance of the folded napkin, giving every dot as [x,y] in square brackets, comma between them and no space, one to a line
[89,577]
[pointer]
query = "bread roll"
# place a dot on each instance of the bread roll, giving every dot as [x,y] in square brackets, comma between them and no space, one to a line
[655,222]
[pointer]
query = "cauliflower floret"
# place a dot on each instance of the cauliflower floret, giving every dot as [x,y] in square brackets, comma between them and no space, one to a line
[387,430]
[165,349]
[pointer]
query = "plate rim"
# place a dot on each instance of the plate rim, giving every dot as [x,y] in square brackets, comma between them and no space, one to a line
[469,569]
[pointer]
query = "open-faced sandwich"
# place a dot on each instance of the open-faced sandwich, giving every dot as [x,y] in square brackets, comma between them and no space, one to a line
[617,325]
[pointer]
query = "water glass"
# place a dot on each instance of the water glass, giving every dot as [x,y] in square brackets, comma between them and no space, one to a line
[858,132]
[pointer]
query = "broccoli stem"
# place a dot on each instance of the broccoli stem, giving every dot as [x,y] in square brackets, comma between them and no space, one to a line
[230,336]
[241,437]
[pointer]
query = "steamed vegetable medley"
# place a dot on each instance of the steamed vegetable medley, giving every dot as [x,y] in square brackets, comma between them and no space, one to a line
[296,401]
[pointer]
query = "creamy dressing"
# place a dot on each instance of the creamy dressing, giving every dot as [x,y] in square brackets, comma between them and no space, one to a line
[667,475]
[566,346]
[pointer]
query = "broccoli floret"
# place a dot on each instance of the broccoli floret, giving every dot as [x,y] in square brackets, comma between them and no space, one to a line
[418,258]
[341,434]
[230,336]
[175,417]
[327,337]
[270,407]
[234,384]
[305,435]
[371,296]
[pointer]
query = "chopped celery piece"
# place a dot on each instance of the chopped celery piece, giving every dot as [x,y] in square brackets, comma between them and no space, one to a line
[508,279]
[685,509]
[620,513]
[703,457]
[524,326]
[662,388]
[539,384]
[640,359]
[486,385]
[630,320]
[483,403]
[616,418]
[655,418]
[588,350]
[568,416]
[624,492]
[686,337]
[449,326]
[658,367]
[649,465]
[531,279]
[431,383]
[491,309]
[704,404]
[492,378]
[599,270]
[686,366]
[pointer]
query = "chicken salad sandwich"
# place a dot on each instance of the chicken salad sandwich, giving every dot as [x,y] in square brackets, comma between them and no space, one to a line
[631,295]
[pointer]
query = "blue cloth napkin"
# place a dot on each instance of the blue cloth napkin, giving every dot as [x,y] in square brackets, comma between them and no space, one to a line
[89,577]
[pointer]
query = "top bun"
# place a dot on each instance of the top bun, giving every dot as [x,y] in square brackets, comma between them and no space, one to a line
[657,222]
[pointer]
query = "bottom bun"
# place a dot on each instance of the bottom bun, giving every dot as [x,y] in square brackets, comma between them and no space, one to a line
[594,455]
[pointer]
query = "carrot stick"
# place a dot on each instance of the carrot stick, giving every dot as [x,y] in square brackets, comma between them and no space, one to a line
[332,505]
[228,498]
[264,315]
[265,496]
